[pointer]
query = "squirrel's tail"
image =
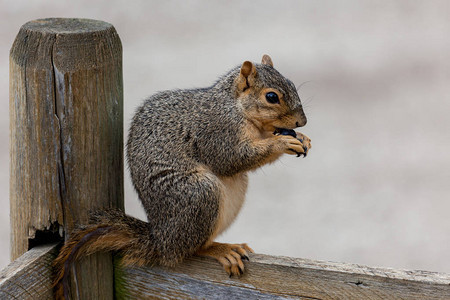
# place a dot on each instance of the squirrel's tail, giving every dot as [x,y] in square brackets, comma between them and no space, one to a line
[112,231]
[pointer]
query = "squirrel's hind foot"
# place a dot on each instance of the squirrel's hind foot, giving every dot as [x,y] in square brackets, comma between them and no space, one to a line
[229,255]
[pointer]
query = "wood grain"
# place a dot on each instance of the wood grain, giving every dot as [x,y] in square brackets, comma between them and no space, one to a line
[66,142]
[272,277]
[267,277]
[29,276]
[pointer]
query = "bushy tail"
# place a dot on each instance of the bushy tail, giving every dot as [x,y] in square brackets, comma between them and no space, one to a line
[112,231]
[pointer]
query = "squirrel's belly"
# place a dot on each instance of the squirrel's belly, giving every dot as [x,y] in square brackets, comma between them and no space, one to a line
[233,195]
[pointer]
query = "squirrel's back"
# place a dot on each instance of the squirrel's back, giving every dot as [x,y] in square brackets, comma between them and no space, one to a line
[174,127]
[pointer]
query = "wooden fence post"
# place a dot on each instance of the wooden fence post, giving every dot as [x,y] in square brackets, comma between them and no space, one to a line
[66,141]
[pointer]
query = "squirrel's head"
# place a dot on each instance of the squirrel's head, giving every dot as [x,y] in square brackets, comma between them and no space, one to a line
[269,99]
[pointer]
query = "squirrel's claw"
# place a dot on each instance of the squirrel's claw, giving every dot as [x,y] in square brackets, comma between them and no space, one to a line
[230,256]
[306,142]
[306,151]
[303,153]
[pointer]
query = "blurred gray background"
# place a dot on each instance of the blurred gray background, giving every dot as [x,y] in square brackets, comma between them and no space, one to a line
[375,188]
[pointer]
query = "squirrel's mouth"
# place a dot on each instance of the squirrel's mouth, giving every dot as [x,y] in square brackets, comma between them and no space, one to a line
[284,131]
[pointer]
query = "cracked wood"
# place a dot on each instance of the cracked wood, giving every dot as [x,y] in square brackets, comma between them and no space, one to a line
[66,141]
[276,277]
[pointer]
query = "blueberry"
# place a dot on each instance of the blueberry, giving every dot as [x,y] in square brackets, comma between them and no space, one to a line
[288,132]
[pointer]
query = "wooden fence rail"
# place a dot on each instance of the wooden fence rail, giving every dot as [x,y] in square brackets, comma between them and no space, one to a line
[273,277]
[267,277]
[30,275]
[66,121]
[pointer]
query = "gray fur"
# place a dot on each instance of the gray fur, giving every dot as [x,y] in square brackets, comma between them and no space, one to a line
[172,134]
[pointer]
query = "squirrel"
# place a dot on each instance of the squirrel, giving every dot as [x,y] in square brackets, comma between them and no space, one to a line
[189,152]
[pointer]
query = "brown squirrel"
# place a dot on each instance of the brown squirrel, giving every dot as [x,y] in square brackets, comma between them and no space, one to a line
[189,152]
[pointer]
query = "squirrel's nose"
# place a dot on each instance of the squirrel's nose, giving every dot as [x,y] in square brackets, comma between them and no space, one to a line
[302,122]
[300,118]
[298,124]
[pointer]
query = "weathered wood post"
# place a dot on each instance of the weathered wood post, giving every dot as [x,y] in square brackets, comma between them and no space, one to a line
[66,142]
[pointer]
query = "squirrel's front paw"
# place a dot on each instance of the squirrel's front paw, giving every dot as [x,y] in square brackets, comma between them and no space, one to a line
[229,255]
[306,142]
[292,145]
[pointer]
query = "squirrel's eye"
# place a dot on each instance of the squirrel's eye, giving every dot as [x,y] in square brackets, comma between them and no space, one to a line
[272,97]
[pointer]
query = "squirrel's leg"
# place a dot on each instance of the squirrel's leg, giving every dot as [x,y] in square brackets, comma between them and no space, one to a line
[233,190]
[229,255]
[182,215]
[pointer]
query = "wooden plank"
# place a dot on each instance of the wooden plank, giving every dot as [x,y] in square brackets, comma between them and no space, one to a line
[267,277]
[29,276]
[66,141]
[271,277]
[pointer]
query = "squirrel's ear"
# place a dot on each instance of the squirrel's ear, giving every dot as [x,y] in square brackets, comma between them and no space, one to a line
[266,60]
[246,76]
[247,69]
